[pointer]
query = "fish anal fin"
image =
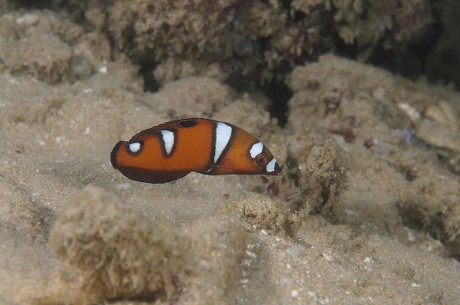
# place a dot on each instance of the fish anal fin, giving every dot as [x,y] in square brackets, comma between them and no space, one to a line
[149,176]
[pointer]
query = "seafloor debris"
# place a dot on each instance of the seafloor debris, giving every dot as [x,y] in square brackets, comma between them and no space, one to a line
[438,126]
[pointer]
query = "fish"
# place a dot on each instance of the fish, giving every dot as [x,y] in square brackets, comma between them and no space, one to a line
[172,150]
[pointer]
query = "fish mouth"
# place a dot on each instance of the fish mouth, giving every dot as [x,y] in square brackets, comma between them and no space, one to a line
[275,173]
[278,170]
[273,168]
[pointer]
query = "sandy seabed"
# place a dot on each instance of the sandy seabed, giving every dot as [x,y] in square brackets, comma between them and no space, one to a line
[364,212]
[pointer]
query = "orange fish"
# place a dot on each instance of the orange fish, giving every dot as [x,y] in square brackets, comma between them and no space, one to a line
[174,149]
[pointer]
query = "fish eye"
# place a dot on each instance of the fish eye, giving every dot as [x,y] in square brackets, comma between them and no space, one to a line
[261,160]
[187,123]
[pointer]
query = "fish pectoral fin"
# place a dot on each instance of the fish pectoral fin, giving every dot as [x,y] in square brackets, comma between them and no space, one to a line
[223,168]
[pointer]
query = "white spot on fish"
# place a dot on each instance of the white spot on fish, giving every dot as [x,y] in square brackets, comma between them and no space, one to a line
[271,166]
[134,147]
[223,135]
[256,149]
[168,140]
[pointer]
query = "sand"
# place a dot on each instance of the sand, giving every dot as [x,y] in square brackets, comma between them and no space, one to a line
[366,210]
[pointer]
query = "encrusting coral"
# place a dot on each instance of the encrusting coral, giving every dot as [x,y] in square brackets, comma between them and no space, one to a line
[111,251]
[360,107]
[257,40]
[118,253]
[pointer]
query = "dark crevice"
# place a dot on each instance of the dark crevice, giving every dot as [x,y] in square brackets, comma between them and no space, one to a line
[279,94]
[411,217]
[276,91]
[31,4]
[435,225]
[142,298]
[146,70]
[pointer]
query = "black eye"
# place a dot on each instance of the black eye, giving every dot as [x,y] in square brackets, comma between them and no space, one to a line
[261,160]
[187,123]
